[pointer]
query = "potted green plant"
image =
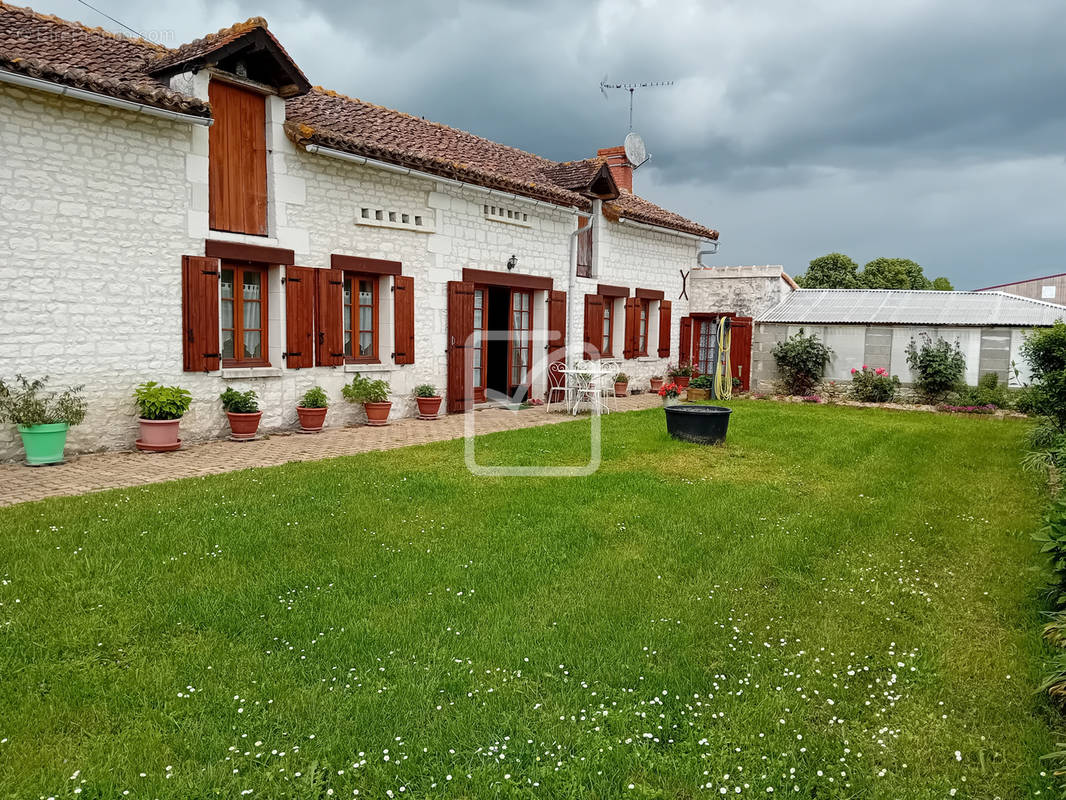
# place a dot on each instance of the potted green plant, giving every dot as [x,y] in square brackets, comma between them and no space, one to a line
[681,374]
[373,394]
[43,418]
[428,401]
[312,410]
[621,385]
[656,383]
[700,387]
[160,409]
[242,410]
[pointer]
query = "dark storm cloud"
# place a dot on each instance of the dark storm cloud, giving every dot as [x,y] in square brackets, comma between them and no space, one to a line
[920,129]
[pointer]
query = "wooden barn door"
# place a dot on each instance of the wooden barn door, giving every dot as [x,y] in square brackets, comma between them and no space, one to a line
[460,334]
[740,350]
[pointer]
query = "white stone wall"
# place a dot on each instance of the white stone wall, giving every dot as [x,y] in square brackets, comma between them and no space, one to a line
[747,291]
[99,205]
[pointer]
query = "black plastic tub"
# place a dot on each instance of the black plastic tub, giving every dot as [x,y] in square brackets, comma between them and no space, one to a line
[699,424]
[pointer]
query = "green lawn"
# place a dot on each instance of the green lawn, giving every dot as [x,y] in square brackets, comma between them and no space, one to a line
[842,602]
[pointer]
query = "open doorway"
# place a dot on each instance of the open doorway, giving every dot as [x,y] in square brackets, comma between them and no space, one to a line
[499,303]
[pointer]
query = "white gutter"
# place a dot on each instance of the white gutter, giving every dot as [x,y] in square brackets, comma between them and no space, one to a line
[660,229]
[92,97]
[414,173]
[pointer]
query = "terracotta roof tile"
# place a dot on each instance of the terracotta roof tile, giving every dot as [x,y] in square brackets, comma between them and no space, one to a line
[68,53]
[638,209]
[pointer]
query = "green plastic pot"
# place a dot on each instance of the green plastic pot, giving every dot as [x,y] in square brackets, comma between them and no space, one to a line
[44,443]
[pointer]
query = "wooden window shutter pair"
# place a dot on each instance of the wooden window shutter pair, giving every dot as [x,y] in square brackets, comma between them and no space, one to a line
[684,341]
[632,335]
[664,328]
[593,325]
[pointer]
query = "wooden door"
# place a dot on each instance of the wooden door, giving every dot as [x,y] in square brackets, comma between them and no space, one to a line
[740,350]
[237,178]
[684,341]
[460,335]
[520,351]
[556,338]
[480,354]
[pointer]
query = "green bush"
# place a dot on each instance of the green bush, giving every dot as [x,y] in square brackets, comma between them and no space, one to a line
[27,403]
[873,385]
[801,360]
[937,365]
[235,402]
[425,390]
[161,402]
[702,382]
[365,390]
[315,397]
[1045,350]
[988,392]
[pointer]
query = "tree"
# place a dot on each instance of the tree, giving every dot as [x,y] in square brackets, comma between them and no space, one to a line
[942,285]
[891,273]
[1045,350]
[832,271]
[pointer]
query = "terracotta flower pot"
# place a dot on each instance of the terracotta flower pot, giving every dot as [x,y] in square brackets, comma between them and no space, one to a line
[656,384]
[428,407]
[682,381]
[621,389]
[311,419]
[377,414]
[159,435]
[243,426]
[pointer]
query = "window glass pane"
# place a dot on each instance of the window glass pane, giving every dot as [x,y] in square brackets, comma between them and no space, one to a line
[347,291]
[227,283]
[253,285]
[227,313]
[366,343]
[253,344]
[366,293]
[227,344]
[366,318]
[252,315]
[347,343]
[517,322]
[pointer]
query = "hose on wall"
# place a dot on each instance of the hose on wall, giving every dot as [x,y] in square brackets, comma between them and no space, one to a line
[723,373]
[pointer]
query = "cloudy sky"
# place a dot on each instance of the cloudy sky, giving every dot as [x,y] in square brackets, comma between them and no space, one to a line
[927,129]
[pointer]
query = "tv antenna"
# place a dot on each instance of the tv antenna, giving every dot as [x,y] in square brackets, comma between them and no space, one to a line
[631,88]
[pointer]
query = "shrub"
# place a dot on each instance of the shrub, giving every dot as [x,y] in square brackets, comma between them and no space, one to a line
[161,402]
[315,397]
[873,385]
[365,390]
[1052,539]
[1045,350]
[702,382]
[621,377]
[801,361]
[425,390]
[27,403]
[937,366]
[235,402]
[988,392]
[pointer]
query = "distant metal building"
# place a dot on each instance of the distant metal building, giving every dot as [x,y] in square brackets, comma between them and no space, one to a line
[1051,288]
[874,327]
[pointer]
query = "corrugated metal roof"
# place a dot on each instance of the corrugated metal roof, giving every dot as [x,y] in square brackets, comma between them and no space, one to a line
[910,307]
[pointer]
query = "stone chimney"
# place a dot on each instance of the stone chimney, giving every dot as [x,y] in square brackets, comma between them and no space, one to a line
[621,169]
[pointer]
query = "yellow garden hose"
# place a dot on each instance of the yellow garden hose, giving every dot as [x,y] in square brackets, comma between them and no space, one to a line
[723,374]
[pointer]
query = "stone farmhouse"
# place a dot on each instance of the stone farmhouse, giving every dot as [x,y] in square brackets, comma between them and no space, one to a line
[203,215]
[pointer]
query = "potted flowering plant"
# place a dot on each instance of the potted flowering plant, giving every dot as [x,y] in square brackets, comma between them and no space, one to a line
[312,410]
[242,411]
[621,385]
[700,388]
[160,409]
[670,393]
[43,418]
[373,394]
[656,383]
[681,374]
[428,401]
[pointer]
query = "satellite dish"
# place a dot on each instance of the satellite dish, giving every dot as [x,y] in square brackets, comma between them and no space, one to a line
[635,150]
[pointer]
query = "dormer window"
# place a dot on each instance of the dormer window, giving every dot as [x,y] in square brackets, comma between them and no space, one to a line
[237,165]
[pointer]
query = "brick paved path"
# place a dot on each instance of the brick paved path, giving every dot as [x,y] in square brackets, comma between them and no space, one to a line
[93,473]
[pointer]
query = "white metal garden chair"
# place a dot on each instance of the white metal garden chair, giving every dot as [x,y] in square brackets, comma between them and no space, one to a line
[559,386]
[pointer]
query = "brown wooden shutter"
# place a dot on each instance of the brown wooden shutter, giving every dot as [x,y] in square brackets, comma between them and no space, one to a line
[403,303]
[684,341]
[593,325]
[556,337]
[237,179]
[199,314]
[329,322]
[740,350]
[460,333]
[632,335]
[584,249]
[299,317]
[664,328]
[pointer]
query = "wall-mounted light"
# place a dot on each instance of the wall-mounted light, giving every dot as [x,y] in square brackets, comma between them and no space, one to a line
[512,262]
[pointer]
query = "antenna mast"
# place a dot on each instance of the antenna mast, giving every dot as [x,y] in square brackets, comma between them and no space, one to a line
[631,88]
